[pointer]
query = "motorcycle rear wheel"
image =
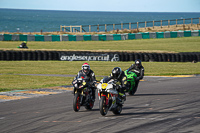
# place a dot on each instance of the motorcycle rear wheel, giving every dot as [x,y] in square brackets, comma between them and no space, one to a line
[117,110]
[132,92]
[90,105]
[102,105]
[76,102]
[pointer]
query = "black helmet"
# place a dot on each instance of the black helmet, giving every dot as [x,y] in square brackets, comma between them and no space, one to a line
[138,63]
[116,72]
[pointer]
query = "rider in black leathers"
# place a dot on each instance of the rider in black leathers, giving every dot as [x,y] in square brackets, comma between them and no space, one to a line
[138,69]
[23,45]
[118,74]
[86,71]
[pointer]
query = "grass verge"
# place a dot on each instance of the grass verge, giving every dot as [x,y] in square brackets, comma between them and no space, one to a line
[11,80]
[171,45]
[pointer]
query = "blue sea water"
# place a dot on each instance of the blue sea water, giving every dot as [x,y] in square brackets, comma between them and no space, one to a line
[12,20]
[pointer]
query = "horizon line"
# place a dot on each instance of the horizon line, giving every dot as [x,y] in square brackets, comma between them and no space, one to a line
[102,11]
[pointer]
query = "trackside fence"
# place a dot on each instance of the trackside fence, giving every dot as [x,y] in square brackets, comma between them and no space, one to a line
[130,25]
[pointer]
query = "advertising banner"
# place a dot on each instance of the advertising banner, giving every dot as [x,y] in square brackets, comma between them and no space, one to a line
[89,57]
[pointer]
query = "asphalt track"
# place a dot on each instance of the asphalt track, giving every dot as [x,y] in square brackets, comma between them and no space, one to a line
[161,105]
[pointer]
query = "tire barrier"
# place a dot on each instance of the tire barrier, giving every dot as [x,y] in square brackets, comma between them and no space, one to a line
[118,56]
[99,37]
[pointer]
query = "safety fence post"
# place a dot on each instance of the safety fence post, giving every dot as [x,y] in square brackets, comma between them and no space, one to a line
[113,27]
[153,24]
[145,24]
[168,23]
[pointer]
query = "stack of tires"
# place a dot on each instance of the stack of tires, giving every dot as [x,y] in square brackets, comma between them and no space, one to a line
[28,55]
[161,57]
[124,56]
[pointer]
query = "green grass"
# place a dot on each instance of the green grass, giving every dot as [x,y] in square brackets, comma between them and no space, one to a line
[184,44]
[19,82]
[11,80]
[10,70]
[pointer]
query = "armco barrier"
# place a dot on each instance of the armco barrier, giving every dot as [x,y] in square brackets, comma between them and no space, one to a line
[15,37]
[104,37]
[72,37]
[145,35]
[87,37]
[1,37]
[110,37]
[30,38]
[23,38]
[55,38]
[159,34]
[138,36]
[48,38]
[173,34]
[7,37]
[97,56]
[131,36]
[117,37]
[39,38]
[152,35]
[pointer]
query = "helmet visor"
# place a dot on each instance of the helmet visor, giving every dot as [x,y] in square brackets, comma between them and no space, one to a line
[137,63]
[86,69]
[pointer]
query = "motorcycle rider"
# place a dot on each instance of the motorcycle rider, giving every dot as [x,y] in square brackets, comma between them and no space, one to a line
[23,45]
[86,71]
[118,74]
[138,69]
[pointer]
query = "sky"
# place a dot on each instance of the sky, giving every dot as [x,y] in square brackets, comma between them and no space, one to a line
[106,5]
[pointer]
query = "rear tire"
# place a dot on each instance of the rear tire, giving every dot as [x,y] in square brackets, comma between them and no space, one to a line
[132,92]
[76,102]
[90,106]
[102,106]
[117,110]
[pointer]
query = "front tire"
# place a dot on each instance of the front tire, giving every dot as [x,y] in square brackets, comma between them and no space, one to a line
[76,102]
[102,106]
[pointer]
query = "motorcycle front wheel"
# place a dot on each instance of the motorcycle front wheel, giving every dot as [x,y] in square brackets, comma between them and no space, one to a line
[76,102]
[102,106]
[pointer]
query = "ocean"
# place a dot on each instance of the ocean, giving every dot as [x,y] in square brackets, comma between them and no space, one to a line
[23,20]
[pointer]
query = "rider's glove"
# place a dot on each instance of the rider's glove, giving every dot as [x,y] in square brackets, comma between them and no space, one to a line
[75,85]
[95,84]
[74,82]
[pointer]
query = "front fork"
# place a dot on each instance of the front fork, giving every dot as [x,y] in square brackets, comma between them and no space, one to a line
[81,96]
[100,94]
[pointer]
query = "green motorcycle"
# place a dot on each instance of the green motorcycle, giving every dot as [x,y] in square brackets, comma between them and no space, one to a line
[131,81]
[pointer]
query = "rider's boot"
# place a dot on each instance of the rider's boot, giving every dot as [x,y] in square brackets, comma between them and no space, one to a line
[93,94]
[73,92]
[122,97]
[119,100]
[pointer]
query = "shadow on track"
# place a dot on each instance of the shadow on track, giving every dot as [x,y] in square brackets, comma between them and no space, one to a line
[147,113]
[162,94]
[88,110]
